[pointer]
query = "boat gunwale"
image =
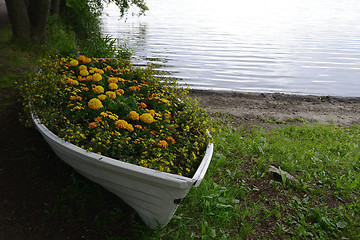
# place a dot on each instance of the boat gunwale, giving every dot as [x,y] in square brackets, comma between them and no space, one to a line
[164,178]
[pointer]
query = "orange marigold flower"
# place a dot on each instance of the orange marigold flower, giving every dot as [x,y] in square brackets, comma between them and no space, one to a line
[98,119]
[170,139]
[134,88]
[147,118]
[89,78]
[81,58]
[92,125]
[87,60]
[142,105]
[139,126]
[73,98]
[134,116]
[163,143]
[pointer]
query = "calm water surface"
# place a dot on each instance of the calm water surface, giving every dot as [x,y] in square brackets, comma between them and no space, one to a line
[296,47]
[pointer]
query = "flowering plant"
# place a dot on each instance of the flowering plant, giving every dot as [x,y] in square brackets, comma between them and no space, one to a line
[110,107]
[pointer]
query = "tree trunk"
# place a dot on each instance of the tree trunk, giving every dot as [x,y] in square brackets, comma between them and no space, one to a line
[38,13]
[19,19]
[28,19]
[55,7]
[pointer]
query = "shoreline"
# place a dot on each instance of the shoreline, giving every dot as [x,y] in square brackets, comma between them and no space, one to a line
[265,109]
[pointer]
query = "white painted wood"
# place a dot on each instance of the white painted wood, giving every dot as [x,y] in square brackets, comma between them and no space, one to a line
[153,194]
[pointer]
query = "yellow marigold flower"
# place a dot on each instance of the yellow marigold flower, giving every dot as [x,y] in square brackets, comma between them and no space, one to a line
[130,128]
[163,143]
[111,94]
[92,125]
[119,92]
[134,116]
[91,71]
[122,124]
[152,112]
[96,77]
[95,104]
[82,67]
[147,118]
[102,97]
[87,60]
[112,80]
[138,126]
[81,58]
[113,86]
[84,73]
[99,71]
[74,63]
[74,82]
[98,89]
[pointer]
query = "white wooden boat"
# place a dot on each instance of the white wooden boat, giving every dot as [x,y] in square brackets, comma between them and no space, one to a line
[153,194]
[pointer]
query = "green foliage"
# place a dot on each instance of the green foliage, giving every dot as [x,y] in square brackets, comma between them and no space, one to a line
[98,46]
[61,40]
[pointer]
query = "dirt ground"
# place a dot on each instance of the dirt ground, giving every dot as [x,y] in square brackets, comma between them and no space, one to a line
[265,109]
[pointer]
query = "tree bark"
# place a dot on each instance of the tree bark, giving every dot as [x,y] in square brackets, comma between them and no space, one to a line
[19,19]
[55,7]
[28,19]
[38,13]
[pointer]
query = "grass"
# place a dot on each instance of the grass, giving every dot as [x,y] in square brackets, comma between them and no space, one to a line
[238,199]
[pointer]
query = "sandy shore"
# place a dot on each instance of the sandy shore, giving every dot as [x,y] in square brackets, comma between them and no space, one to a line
[264,108]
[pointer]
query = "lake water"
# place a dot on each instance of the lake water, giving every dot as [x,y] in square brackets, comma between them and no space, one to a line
[287,46]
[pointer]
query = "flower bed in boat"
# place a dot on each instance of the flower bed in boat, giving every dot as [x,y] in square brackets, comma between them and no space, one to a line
[111,108]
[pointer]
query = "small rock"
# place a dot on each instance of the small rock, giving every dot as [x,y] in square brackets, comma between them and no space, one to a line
[277,174]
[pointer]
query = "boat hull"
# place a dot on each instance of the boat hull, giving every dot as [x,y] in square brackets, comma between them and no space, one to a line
[154,195]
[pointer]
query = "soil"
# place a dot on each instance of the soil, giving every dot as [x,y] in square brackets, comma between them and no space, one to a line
[276,109]
[33,180]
